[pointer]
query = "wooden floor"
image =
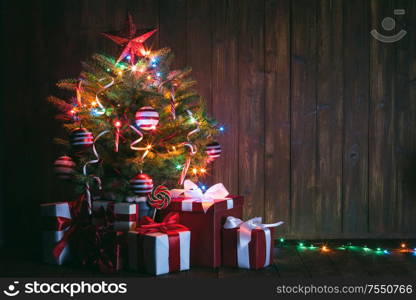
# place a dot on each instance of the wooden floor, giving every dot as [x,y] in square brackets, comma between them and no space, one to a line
[290,261]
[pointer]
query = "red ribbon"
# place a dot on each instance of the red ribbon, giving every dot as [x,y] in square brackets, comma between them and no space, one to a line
[169,225]
[78,216]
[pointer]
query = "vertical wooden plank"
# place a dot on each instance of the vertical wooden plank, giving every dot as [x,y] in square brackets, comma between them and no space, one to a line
[330,116]
[172,32]
[382,163]
[225,89]
[303,110]
[405,94]
[251,107]
[277,112]
[15,118]
[199,46]
[356,99]
[146,14]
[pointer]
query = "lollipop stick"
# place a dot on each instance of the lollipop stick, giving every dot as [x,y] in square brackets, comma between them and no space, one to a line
[154,213]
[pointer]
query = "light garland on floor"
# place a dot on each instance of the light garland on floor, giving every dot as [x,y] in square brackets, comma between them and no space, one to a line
[324,247]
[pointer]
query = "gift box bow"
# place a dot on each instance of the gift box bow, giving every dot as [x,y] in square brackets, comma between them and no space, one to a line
[246,227]
[168,225]
[191,190]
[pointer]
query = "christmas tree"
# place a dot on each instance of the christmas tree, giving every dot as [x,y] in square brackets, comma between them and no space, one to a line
[134,118]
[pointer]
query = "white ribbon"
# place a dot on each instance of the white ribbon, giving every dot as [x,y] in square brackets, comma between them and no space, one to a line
[84,170]
[191,190]
[244,238]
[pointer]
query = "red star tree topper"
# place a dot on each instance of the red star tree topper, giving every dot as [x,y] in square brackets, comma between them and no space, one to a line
[133,45]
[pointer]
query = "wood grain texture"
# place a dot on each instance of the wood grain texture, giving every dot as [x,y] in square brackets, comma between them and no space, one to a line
[173,29]
[251,107]
[355,111]
[319,116]
[277,113]
[199,46]
[382,137]
[405,107]
[330,116]
[304,116]
[225,89]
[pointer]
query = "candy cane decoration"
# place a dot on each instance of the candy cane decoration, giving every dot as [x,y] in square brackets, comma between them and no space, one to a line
[84,170]
[191,147]
[133,147]
[78,90]
[192,151]
[172,105]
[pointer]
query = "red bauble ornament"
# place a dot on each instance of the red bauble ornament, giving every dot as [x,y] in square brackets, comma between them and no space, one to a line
[81,138]
[64,167]
[142,184]
[213,150]
[147,118]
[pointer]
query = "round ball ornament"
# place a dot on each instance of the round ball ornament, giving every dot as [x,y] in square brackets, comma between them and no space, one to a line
[159,198]
[213,150]
[147,118]
[64,167]
[142,184]
[81,138]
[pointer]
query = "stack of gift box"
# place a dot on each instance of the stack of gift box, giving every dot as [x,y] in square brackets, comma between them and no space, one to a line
[196,229]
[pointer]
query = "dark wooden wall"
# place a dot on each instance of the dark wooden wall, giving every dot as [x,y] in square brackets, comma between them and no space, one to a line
[319,116]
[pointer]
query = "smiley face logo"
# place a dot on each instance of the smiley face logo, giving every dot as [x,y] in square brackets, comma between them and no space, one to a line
[389,24]
[11,289]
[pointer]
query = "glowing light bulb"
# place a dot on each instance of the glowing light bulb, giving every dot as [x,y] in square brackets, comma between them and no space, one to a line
[72,111]
[194,170]
[134,68]
[158,74]
[178,167]
[378,249]
[192,119]
[149,77]
[173,148]
[128,57]
[403,245]
[142,70]
[203,187]
[94,103]
[221,128]
[148,147]
[386,252]
[120,73]
[108,70]
[202,170]
[117,124]
[325,248]
[301,244]
[281,240]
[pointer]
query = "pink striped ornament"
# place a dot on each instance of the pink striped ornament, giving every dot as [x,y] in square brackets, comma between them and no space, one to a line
[81,138]
[142,184]
[147,118]
[64,167]
[213,150]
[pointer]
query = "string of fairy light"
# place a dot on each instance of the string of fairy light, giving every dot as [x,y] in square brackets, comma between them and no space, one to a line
[150,61]
[403,247]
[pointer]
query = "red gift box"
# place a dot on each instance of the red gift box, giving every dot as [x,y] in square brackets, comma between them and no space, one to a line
[159,248]
[247,245]
[206,225]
